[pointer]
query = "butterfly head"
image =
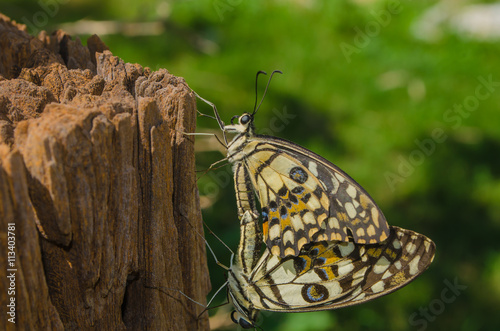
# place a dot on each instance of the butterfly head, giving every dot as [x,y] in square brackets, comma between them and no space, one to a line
[244,124]
[243,315]
[242,320]
[245,121]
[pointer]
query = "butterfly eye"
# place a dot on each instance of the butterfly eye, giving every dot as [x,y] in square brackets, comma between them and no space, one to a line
[232,118]
[241,321]
[244,119]
[245,324]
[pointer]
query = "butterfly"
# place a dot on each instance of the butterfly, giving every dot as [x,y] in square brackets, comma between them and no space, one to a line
[325,275]
[304,197]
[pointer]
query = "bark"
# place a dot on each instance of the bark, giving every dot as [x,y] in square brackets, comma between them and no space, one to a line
[98,182]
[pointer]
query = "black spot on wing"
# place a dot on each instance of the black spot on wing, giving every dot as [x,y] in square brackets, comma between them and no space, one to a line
[299,263]
[314,293]
[322,274]
[306,198]
[301,234]
[273,222]
[298,175]
[282,191]
[275,242]
[319,211]
[283,212]
[313,252]
[318,192]
[319,261]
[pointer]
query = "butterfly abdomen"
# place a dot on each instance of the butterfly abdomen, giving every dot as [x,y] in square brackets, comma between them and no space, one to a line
[245,198]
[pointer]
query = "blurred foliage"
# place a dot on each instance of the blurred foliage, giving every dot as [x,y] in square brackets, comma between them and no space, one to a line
[373,113]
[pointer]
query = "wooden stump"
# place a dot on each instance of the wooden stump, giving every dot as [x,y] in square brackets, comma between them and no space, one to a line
[97,184]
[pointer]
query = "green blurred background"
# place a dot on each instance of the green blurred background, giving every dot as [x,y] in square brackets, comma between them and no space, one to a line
[395,93]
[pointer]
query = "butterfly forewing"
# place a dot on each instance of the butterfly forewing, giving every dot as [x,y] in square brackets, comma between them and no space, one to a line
[329,275]
[305,198]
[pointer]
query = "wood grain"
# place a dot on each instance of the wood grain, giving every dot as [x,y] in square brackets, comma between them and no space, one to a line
[99,180]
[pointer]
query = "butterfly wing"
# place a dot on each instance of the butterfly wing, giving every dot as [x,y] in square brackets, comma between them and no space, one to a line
[305,198]
[330,275]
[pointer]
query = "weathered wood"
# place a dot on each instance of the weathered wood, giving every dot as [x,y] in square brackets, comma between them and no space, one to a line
[99,180]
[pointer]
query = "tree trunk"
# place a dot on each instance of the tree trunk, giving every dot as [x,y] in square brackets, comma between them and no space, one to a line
[99,209]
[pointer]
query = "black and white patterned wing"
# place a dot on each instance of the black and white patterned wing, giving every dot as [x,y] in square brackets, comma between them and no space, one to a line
[305,198]
[330,275]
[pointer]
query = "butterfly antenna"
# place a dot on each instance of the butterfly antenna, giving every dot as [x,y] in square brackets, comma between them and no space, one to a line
[265,91]
[256,84]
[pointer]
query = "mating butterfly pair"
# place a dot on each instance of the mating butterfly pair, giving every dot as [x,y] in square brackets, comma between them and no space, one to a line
[329,245]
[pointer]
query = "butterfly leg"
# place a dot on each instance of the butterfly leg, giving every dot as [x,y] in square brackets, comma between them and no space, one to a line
[204,134]
[212,166]
[217,117]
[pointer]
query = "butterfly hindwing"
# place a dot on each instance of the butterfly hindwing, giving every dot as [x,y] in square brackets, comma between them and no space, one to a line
[325,275]
[329,275]
[305,198]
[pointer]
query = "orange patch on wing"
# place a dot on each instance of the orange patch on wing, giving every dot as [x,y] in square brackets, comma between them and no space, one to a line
[273,214]
[364,201]
[356,222]
[307,264]
[296,208]
[398,278]
[330,256]
[329,272]
[342,217]
[265,229]
[284,222]
[389,252]
[374,252]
